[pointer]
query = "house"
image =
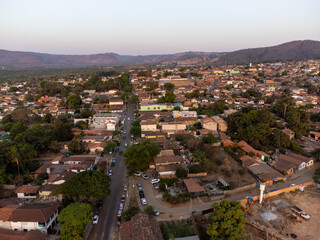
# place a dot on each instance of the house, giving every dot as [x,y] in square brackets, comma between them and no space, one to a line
[290,162]
[184,114]
[27,191]
[141,226]
[193,186]
[116,102]
[222,125]
[6,234]
[159,106]
[93,139]
[223,184]
[173,126]
[308,161]
[167,160]
[167,171]
[148,125]
[28,217]
[105,121]
[209,123]
[314,135]
[289,132]
[95,148]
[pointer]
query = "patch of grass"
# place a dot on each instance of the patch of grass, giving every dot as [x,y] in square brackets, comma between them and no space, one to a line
[176,229]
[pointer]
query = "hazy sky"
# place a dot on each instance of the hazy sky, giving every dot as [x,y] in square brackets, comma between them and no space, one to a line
[154,26]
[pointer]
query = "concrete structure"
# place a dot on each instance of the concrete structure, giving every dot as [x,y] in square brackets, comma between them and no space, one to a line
[105,121]
[159,106]
[209,123]
[173,126]
[222,124]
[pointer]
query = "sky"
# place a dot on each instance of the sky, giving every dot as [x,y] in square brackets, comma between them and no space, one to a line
[141,27]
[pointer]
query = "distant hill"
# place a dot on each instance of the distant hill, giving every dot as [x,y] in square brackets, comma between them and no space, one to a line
[288,51]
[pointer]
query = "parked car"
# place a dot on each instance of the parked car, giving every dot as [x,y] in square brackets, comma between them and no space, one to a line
[144,176]
[120,152]
[121,206]
[110,173]
[123,198]
[156,212]
[95,219]
[113,163]
[125,145]
[143,201]
[156,186]
[141,194]
[139,186]
[117,149]
[100,204]
[137,174]
[155,180]
[119,213]
[125,187]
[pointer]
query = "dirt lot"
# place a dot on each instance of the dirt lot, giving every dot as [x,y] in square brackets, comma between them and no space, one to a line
[280,207]
[226,166]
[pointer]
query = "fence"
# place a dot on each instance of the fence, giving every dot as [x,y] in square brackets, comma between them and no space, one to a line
[241,189]
[201,174]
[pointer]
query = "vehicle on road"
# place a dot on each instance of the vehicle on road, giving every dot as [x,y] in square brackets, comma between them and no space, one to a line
[113,162]
[121,206]
[155,180]
[143,201]
[125,187]
[100,204]
[156,212]
[128,119]
[156,186]
[144,176]
[119,213]
[117,149]
[126,145]
[110,173]
[95,219]
[141,194]
[123,198]
[120,152]
[139,186]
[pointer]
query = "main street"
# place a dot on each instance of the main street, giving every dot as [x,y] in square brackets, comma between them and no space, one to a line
[105,229]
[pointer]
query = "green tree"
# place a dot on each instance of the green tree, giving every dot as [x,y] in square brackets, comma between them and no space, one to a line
[280,139]
[111,146]
[130,212]
[150,210]
[135,130]
[170,97]
[73,218]
[169,87]
[134,99]
[74,101]
[89,186]
[316,175]
[138,156]
[209,138]
[227,221]
[76,147]
[200,156]
[181,172]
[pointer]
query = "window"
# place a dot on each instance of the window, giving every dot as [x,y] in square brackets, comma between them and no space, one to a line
[41,224]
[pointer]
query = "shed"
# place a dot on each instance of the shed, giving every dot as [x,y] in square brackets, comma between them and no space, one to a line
[193,185]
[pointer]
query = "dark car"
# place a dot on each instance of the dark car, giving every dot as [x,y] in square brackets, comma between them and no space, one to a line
[100,204]
[120,152]
[141,194]
[117,149]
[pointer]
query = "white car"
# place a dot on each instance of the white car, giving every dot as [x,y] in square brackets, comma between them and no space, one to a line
[156,212]
[155,180]
[110,172]
[143,201]
[95,219]
[144,176]
[119,213]
[137,174]
[125,187]
[121,206]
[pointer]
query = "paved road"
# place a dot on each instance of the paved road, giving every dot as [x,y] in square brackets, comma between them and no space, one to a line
[213,86]
[105,229]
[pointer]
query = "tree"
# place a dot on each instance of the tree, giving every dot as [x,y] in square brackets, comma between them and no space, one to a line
[130,212]
[73,101]
[200,156]
[89,186]
[209,139]
[227,221]
[150,211]
[134,99]
[316,175]
[76,147]
[138,156]
[169,87]
[181,172]
[111,146]
[73,218]
[135,130]
[280,139]
[170,97]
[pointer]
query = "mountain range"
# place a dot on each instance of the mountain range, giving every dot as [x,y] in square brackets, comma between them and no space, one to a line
[295,50]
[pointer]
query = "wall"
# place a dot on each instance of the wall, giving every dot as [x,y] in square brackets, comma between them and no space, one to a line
[201,174]
[241,189]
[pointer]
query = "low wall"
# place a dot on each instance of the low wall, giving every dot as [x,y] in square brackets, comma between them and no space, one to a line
[277,192]
[201,174]
[9,186]
[241,189]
